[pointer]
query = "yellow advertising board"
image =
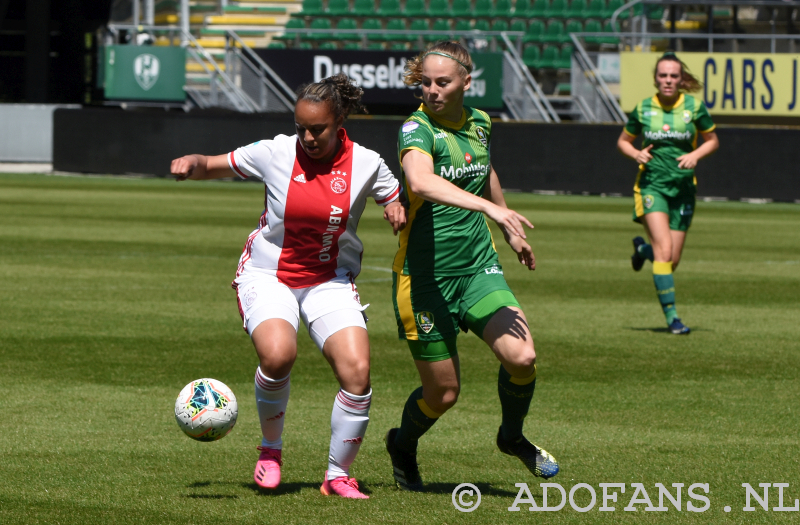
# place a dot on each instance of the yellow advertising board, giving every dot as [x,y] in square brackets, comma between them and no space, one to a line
[733,83]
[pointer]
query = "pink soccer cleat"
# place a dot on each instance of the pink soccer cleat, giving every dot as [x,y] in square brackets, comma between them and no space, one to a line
[342,486]
[268,468]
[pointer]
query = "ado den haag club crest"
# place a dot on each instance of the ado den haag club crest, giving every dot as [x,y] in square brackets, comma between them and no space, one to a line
[146,68]
[425,321]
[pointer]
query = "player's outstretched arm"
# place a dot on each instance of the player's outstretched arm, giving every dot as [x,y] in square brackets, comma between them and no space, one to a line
[418,168]
[201,167]
[494,193]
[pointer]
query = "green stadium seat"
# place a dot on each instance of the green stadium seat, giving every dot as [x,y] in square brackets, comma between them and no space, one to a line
[420,24]
[293,23]
[536,9]
[576,9]
[532,55]
[483,9]
[549,57]
[338,7]
[373,23]
[351,46]
[607,28]
[389,8]
[595,9]
[440,24]
[395,24]
[624,15]
[461,9]
[612,6]
[557,9]
[463,26]
[318,23]
[535,32]
[327,45]
[554,32]
[502,9]
[312,8]
[521,7]
[346,24]
[277,45]
[483,25]
[520,25]
[573,26]
[498,25]
[565,57]
[398,46]
[364,8]
[303,45]
[592,26]
[438,8]
[654,12]
[415,8]
[375,46]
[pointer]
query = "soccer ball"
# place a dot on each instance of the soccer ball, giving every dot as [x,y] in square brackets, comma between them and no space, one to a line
[206,409]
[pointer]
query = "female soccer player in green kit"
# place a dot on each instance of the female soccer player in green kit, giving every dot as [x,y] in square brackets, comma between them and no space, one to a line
[446,272]
[664,193]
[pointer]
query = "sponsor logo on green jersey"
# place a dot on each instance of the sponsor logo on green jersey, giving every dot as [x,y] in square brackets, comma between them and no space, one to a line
[469,171]
[663,135]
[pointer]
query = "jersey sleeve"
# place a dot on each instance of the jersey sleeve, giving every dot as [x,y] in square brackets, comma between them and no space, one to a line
[251,161]
[634,124]
[386,188]
[415,134]
[703,119]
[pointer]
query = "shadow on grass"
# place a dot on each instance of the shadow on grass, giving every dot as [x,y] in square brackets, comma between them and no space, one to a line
[445,488]
[212,496]
[283,488]
[664,330]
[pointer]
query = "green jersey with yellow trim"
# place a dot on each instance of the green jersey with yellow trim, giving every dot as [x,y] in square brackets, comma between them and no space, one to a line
[444,240]
[673,132]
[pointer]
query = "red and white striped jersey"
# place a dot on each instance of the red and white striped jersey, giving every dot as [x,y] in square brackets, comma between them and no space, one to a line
[307,233]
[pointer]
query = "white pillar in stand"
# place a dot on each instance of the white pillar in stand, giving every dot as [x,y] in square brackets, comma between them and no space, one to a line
[149,12]
[184,22]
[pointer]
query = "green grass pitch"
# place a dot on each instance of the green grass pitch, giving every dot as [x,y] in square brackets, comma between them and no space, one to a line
[115,293]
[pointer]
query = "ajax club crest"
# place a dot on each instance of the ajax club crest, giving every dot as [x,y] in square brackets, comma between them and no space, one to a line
[338,185]
[425,321]
[146,68]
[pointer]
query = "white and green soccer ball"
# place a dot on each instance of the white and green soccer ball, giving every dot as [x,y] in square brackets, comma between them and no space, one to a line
[206,409]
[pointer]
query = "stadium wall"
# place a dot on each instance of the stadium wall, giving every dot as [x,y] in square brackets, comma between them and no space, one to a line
[572,158]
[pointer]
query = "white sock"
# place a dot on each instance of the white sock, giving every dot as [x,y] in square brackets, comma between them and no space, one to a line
[349,421]
[272,395]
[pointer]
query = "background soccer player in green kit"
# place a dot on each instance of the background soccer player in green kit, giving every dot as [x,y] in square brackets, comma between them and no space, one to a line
[446,272]
[664,193]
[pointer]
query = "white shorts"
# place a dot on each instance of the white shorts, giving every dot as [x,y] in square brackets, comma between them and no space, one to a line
[324,309]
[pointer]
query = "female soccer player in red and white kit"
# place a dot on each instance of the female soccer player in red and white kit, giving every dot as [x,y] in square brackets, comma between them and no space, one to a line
[301,262]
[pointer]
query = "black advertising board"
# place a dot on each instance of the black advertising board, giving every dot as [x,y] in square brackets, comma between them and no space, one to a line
[380,74]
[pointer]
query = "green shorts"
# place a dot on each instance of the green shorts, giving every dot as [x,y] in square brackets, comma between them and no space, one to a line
[680,209]
[430,309]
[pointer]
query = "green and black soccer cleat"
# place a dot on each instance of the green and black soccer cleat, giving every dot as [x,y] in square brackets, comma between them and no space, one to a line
[537,460]
[678,328]
[406,470]
[637,261]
